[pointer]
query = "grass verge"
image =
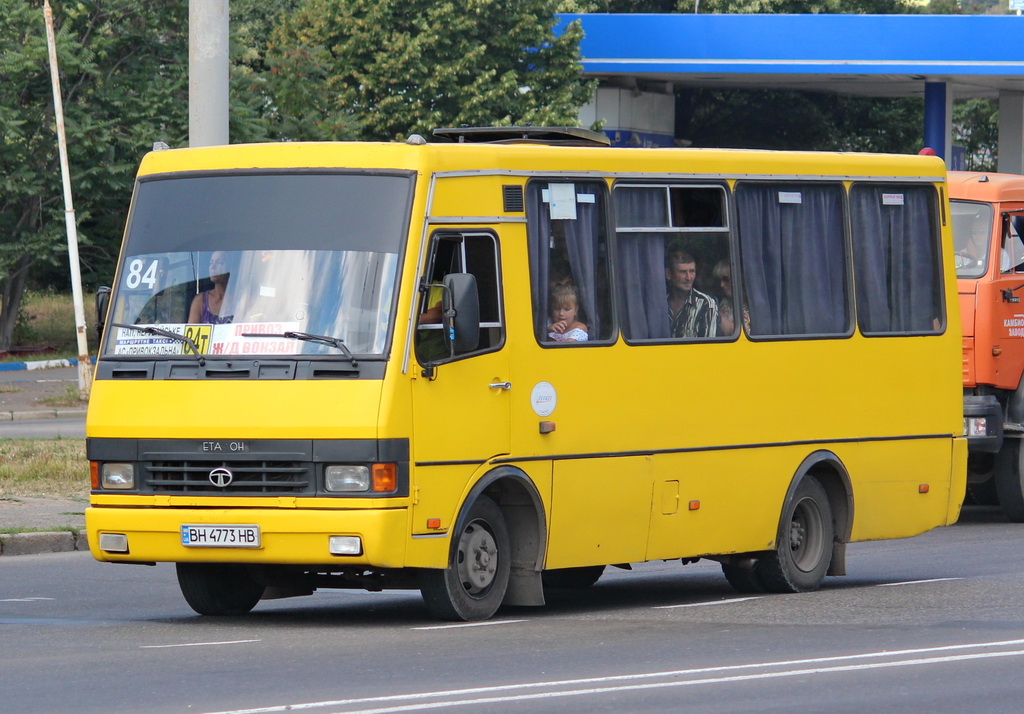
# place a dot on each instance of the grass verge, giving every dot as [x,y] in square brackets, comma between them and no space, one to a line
[70,398]
[55,529]
[47,319]
[45,468]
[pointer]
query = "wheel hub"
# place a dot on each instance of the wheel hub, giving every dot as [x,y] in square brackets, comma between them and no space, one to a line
[478,559]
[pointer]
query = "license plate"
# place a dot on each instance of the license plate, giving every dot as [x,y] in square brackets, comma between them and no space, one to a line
[220,536]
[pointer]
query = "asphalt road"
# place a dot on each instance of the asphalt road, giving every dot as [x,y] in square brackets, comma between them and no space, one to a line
[934,623]
[20,390]
[44,429]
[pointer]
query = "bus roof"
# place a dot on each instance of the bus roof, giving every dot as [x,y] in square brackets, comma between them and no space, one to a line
[535,158]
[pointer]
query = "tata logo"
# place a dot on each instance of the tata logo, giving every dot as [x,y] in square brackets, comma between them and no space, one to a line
[221,477]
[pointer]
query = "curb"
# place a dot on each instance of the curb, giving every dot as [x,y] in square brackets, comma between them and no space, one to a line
[42,414]
[40,364]
[44,542]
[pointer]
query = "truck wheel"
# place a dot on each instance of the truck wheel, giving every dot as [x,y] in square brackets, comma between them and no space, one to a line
[801,559]
[215,589]
[981,480]
[473,585]
[1008,478]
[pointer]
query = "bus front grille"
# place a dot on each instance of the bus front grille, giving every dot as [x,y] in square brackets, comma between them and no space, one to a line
[237,478]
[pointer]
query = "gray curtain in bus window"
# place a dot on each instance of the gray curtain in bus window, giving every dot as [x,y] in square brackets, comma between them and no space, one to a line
[793,262]
[581,237]
[641,258]
[895,258]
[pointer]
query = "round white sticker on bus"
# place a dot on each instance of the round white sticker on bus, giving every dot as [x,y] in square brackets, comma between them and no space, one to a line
[543,399]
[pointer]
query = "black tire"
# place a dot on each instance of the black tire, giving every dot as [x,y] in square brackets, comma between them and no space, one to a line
[1009,478]
[982,493]
[804,551]
[576,578]
[216,589]
[473,585]
[981,481]
[744,578]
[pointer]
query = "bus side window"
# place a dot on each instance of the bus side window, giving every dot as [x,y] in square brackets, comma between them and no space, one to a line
[674,260]
[793,258]
[474,253]
[569,267]
[897,261]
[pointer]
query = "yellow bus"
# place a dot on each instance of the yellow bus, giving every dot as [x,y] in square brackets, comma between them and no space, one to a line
[497,362]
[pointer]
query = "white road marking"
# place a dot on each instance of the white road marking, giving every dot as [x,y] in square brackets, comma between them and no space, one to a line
[467,624]
[916,582]
[196,644]
[419,696]
[26,599]
[704,604]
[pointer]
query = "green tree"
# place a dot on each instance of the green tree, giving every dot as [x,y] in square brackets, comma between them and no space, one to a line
[123,86]
[382,69]
[976,128]
[124,81]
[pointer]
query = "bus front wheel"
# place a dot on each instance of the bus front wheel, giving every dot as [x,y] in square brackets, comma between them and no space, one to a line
[216,589]
[473,585]
[801,559]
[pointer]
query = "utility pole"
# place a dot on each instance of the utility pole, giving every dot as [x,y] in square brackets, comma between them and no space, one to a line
[84,363]
[208,72]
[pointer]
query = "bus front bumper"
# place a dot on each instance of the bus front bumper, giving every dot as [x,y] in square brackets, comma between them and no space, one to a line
[282,536]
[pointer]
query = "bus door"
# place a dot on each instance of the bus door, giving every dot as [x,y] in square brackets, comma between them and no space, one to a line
[461,401]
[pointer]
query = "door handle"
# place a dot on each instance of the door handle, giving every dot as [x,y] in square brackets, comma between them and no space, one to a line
[500,385]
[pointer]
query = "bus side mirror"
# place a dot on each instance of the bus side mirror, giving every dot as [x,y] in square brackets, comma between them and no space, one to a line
[460,307]
[102,304]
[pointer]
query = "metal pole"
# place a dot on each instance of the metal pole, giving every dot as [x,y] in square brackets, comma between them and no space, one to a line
[208,72]
[84,363]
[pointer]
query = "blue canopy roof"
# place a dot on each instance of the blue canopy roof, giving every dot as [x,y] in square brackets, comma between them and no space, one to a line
[878,55]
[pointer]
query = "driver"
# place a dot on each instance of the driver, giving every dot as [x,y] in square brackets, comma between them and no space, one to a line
[976,250]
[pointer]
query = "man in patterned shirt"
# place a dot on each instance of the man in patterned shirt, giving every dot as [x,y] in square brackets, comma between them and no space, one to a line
[691,313]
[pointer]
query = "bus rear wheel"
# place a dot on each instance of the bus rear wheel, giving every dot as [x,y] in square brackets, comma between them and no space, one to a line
[218,589]
[801,559]
[744,577]
[473,585]
[1009,478]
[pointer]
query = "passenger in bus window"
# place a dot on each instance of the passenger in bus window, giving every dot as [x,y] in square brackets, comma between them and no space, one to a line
[722,277]
[691,312]
[206,306]
[564,306]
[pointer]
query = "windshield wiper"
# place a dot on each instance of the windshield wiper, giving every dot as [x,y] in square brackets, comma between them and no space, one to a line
[336,342]
[150,330]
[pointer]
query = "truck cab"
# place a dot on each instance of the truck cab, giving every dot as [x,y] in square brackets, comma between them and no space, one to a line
[987,212]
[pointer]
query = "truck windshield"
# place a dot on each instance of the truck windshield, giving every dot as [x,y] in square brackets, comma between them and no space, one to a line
[226,259]
[972,237]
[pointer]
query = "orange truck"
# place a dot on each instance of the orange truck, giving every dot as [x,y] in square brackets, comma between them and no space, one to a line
[987,211]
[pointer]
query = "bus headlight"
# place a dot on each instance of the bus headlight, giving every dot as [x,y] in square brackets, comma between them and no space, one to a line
[117,477]
[345,545]
[346,478]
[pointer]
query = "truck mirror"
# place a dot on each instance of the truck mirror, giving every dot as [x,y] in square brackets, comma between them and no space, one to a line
[460,306]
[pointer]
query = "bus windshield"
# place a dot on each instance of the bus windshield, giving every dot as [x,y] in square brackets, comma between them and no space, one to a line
[247,264]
